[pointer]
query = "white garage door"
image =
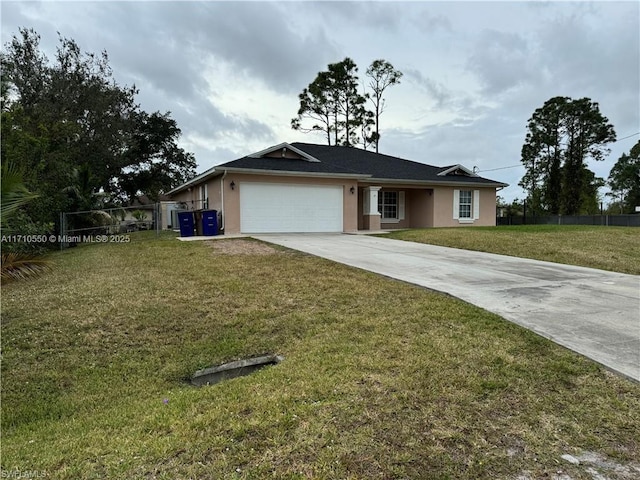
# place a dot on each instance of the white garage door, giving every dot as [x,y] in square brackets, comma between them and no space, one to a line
[275,208]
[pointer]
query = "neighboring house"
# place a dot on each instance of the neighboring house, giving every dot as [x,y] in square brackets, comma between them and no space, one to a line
[164,207]
[302,187]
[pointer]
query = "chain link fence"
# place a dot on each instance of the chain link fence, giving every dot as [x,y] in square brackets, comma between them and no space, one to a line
[605,220]
[92,225]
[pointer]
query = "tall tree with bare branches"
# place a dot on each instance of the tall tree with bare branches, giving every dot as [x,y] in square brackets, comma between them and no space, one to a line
[381,75]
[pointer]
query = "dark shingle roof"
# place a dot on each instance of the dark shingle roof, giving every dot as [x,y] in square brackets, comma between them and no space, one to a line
[288,165]
[375,164]
[353,161]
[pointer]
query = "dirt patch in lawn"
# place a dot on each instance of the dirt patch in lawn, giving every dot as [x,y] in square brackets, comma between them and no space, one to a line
[591,465]
[241,246]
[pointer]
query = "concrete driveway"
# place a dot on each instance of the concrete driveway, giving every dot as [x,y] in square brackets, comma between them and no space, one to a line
[593,312]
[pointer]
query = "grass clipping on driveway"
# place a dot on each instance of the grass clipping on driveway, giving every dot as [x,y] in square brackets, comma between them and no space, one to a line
[380,379]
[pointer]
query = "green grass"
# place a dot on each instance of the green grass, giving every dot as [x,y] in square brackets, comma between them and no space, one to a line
[381,379]
[607,248]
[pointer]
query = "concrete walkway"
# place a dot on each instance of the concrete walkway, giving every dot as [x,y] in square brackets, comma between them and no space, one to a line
[593,312]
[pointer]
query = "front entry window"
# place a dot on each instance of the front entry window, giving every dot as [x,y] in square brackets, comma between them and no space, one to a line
[388,205]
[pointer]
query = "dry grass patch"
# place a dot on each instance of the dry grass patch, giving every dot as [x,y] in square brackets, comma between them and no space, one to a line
[241,246]
[380,379]
[608,248]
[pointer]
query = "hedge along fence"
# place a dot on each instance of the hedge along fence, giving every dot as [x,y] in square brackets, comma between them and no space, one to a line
[606,220]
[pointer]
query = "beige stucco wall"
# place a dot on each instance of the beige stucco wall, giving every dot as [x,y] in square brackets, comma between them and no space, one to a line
[418,208]
[191,197]
[443,207]
[488,207]
[183,196]
[232,197]
[427,207]
[214,191]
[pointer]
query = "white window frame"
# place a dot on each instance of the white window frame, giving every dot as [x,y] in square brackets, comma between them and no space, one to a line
[465,205]
[474,210]
[399,204]
[203,196]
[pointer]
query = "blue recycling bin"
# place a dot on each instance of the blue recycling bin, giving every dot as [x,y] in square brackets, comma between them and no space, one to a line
[186,224]
[209,222]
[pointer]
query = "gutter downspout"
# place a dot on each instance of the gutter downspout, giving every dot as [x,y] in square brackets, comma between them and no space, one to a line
[222,217]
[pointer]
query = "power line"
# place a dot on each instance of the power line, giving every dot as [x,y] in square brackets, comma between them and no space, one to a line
[519,165]
[500,168]
[628,136]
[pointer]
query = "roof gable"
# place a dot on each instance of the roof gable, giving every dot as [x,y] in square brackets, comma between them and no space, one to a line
[457,170]
[284,150]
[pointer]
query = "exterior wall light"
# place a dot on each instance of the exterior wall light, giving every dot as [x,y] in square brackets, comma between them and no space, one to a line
[232,185]
[352,190]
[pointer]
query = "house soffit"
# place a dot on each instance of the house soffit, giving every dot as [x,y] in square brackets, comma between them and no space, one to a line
[445,182]
[198,179]
[295,173]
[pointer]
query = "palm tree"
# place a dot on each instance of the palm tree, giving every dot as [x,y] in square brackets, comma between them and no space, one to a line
[14,194]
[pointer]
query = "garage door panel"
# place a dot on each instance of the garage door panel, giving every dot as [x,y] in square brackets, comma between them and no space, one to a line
[273,208]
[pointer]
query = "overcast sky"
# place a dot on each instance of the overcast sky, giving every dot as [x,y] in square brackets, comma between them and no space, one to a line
[474,72]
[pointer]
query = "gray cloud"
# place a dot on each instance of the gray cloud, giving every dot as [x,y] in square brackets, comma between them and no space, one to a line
[576,55]
[427,22]
[502,60]
[379,16]
[434,89]
[206,119]
[262,40]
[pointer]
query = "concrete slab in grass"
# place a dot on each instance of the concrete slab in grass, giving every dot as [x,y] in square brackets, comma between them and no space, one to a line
[227,371]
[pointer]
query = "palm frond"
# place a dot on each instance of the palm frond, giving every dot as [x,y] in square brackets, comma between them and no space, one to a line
[14,193]
[20,266]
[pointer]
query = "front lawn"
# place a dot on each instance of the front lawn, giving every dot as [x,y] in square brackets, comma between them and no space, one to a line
[380,379]
[607,248]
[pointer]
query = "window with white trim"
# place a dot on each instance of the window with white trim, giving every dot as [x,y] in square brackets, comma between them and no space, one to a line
[391,205]
[465,204]
[388,205]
